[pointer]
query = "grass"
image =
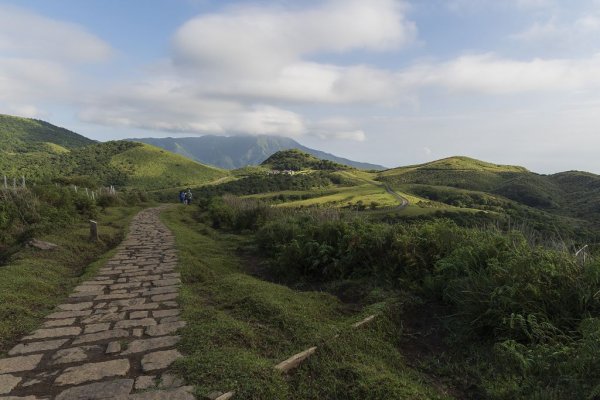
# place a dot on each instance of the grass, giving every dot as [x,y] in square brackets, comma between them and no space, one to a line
[240,326]
[20,134]
[150,167]
[34,282]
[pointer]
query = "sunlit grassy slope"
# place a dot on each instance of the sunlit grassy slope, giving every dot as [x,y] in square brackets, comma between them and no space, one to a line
[24,134]
[460,172]
[150,167]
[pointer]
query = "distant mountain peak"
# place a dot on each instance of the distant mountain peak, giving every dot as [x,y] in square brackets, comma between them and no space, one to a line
[233,152]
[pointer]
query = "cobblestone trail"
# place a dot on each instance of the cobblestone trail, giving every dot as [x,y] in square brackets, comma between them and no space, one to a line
[116,335]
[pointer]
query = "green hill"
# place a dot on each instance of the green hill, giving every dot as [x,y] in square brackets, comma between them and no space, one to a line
[42,152]
[232,152]
[154,168]
[297,160]
[461,172]
[27,135]
[135,165]
[513,182]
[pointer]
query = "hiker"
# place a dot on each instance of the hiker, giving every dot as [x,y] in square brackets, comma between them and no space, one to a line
[182,196]
[188,196]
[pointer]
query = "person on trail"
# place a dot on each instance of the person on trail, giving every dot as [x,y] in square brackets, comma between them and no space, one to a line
[182,196]
[188,196]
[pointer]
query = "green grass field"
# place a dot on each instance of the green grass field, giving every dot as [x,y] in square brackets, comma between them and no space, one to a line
[240,326]
[150,167]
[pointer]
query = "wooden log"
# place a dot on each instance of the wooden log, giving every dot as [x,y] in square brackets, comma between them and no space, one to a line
[364,321]
[225,396]
[93,231]
[295,360]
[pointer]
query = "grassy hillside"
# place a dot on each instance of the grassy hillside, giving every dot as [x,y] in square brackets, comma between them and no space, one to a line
[20,135]
[232,152]
[240,326]
[150,167]
[42,152]
[296,160]
[462,172]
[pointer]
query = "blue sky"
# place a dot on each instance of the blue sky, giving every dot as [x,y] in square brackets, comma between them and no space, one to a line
[392,82]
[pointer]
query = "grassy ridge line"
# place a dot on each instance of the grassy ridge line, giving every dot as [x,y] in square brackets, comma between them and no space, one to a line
[150,167]
[35,281]
[239,327]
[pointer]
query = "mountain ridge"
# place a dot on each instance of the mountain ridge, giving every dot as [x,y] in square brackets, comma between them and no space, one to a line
[232,152]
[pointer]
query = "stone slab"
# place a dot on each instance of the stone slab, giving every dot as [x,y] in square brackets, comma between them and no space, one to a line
[165,313]
[93,372]
[45,333]
[76,306]
[143,345]
[19,364]
[59,322]
[159,360]
[69,314]
[115,389]
[164,329]
[183,393]
[100,336]
[8,383]
[130,323]
[93,328]
[74,354]
[36,347]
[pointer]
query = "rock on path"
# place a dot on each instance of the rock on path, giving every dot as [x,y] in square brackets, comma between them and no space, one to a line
[116,335]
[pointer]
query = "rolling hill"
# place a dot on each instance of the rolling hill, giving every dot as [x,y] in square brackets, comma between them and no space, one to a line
[231,152]
[42,152]
[25,135]
[514,182]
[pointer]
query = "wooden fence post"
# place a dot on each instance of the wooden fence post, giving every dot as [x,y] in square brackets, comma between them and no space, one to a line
[5,183]
[93,231]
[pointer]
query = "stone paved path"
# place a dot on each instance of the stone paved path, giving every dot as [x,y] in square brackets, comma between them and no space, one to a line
[116,335]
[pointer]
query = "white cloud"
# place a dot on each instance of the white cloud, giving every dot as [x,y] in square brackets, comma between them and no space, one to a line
[490,74]
[27,34]
[263,40]
[39,59]
[238,70]
[30,79]
[487,5]
[26,111]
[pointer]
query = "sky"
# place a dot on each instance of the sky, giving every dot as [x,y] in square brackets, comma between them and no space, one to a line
[391,82]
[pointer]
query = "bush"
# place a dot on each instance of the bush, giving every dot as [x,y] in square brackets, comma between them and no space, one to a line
[238,214]
[534,308]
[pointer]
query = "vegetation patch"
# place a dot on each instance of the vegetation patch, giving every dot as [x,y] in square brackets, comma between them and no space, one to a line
[34,282]
[240,327]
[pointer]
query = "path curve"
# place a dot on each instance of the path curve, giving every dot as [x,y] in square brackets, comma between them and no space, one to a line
[403,200]
[115,336]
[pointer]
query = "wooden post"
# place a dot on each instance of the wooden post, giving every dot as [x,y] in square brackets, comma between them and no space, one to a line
[87,193]
[5,183]
[295,360]
[93,231]
[364,321]
[225,396]
[23,177]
